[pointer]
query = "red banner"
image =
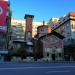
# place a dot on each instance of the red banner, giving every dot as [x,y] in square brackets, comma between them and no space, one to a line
[3,12]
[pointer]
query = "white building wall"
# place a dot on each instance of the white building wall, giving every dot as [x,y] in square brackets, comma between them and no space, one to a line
[67,29]
[73,28]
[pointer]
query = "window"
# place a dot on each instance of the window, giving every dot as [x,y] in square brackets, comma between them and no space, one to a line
[73,26]
[29,33]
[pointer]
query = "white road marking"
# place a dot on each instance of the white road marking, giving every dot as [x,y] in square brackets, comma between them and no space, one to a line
[57,72]
[55,67]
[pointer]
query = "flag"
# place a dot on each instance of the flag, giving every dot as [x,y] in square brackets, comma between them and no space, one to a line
[3,12]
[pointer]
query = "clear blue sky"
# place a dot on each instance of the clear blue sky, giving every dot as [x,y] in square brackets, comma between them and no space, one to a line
[41,9]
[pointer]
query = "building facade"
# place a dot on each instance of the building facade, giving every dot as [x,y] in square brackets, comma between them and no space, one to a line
[5,27]
[52,43]
[18,32]
[52,46]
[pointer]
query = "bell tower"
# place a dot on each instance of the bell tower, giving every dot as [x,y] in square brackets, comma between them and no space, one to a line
[28,30]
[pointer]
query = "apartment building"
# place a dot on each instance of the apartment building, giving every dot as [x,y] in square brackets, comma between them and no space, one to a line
[66,27]
[17,32]
[53,22]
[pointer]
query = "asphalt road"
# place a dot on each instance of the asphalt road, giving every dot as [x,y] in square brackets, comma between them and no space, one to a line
[37,68]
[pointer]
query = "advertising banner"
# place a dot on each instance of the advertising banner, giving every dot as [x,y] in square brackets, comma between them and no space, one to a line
[3,12]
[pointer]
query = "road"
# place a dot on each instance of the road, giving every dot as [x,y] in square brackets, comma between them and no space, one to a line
[37,68]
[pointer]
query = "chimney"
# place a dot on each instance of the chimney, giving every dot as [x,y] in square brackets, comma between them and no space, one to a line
[28,30]
[49,29]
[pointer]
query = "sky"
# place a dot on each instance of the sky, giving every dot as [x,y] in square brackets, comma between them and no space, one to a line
[43,10]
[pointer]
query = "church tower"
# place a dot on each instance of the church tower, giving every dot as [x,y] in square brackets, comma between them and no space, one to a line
[28,30]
